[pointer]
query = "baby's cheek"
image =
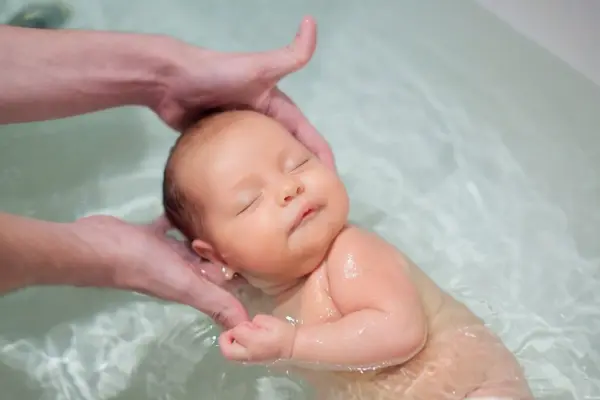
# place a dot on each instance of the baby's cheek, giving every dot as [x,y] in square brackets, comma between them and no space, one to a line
[323,182]
[315,179]
[257,238]
[251,247]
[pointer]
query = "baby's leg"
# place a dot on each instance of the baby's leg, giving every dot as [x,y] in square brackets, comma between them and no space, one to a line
[504,380]
[470,363]
[444,370]
[463,364]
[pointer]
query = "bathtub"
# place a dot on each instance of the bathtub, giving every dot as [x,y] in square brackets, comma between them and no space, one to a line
[468,146]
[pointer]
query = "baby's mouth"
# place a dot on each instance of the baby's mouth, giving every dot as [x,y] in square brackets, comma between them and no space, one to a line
[305,214]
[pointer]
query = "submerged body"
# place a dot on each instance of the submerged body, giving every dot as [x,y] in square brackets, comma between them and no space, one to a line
[251,198]
[461,358]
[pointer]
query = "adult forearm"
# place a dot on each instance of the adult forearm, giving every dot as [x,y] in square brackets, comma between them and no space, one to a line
[34,252]
[47,74]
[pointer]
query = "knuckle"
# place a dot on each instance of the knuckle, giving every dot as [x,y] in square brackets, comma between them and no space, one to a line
[218,316]
[258,318]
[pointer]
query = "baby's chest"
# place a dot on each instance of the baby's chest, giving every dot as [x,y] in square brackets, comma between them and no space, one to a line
[312,304]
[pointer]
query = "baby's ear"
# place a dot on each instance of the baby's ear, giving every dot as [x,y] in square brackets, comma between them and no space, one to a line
[206,251]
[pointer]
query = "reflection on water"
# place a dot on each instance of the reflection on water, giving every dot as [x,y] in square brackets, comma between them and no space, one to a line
[158,350]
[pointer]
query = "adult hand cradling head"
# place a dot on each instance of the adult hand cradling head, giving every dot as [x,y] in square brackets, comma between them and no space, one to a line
[204,78]
[99,70]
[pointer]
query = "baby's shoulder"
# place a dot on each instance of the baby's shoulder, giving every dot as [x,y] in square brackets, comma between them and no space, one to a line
[354,238]
[359,242]
[365,271]
[360,248]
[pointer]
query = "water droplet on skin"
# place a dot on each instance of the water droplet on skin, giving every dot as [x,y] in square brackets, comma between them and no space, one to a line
[350,268]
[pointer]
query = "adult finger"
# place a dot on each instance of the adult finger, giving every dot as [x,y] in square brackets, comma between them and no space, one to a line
[284,110]
[161,224]
[212,272]
[222,306]
[275,64]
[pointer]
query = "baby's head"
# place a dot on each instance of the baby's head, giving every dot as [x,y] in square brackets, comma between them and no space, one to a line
[251,198]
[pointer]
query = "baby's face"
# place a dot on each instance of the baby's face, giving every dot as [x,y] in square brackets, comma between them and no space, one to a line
[271,209]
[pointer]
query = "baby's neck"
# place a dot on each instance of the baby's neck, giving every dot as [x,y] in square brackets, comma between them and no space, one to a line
[281,289]
[274,289]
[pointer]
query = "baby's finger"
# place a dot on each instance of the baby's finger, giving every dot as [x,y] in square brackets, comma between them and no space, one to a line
[231,349]
[263,321]
[245,333]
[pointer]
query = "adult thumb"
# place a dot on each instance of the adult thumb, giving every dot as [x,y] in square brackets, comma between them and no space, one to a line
[275,64]
[231,315]
[218,303]
[161,224]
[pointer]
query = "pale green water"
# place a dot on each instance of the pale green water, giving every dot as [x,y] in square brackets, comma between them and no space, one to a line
[467,146]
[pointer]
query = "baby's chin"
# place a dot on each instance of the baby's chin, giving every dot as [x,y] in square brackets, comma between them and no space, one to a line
[310,254]
[287,264]
[302,253]
[318,240]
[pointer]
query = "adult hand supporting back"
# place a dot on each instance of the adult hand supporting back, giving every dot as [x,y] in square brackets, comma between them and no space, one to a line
[54,74]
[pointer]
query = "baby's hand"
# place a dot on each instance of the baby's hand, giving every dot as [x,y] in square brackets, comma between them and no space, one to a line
[266,338]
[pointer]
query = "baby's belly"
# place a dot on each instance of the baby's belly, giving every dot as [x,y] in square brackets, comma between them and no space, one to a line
[461,355]
[451,366]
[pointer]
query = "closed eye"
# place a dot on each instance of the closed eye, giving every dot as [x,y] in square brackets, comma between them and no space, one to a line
[302,163]
[250,204]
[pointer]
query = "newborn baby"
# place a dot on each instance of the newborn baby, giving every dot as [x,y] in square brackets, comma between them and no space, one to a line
[252,199]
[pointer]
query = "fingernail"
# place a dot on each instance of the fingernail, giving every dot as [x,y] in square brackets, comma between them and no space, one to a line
[232,317]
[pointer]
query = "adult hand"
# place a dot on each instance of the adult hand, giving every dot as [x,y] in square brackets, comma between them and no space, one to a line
[96,70]
[145,260]
[203,78]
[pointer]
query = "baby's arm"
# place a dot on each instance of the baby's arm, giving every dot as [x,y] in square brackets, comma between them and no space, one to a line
[383,320]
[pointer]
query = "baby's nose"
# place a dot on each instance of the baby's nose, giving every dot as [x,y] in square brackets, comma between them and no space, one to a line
[291,190]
